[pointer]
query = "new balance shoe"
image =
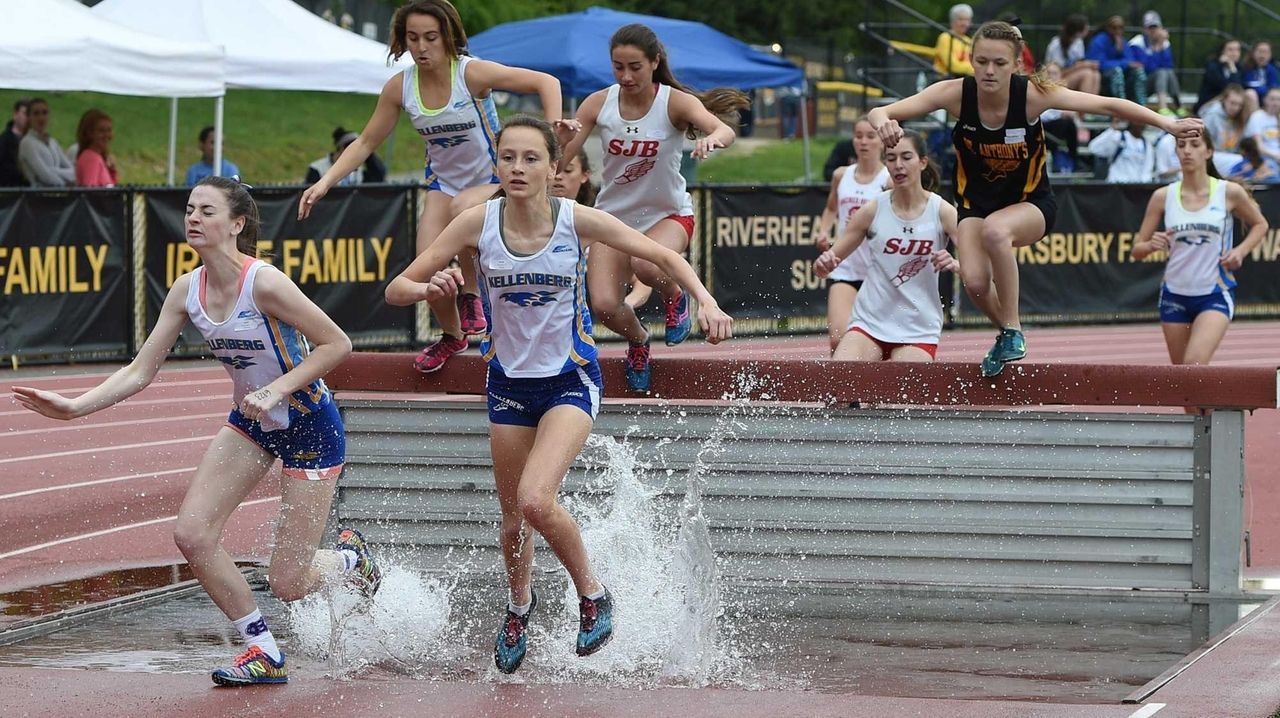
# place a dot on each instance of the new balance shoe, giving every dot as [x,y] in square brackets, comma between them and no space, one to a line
[366,575]
[679,324]
[509,647]
[639,375]
[595,623]
[252,667]
[433,357]
[471,314]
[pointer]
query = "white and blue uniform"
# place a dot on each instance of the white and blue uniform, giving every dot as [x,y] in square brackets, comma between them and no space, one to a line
[304,431]
[461,137]
[851,195]
[1194,279]
[539,346]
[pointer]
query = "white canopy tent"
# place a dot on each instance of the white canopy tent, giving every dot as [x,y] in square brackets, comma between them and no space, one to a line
[269,44]
[60,45]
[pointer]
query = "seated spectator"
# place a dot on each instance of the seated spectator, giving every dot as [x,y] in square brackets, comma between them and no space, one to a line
[1131,156]
[1061,132]
[372,171]
[1123,73]
[1264,126]
[1066,50]
[953,52]
[1152,46]
[1260,74]
[10,174]
[1221,71]
[1254,167]
[204,168]
[40,157]
[1027,60]
[95,165]
[841,156]
[1225,118]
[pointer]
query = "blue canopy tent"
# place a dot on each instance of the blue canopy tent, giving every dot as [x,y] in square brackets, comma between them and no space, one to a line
[574,48]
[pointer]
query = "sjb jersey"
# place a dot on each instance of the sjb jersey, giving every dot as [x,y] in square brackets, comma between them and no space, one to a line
[536,305]
[641,182]
[256,349]
[461,137]
[997,168]
[899,301]
[1198,241]
[850,195]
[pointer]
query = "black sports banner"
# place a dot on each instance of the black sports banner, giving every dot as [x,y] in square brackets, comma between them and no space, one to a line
[343,256]
[64,274]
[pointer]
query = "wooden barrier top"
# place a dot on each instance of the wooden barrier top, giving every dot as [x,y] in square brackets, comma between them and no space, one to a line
[837,382]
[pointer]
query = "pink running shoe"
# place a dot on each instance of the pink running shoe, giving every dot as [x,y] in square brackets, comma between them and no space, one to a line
[471,312]
[433,357]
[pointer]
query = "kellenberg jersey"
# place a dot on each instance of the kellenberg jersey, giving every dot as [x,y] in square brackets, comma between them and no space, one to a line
[1197,241]
[461,137]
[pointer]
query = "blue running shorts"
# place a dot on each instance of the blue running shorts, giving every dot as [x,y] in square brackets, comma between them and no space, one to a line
[313,447]
[522,402]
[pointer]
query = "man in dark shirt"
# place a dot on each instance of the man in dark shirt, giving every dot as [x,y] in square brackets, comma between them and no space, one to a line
[10,175]
[841,156]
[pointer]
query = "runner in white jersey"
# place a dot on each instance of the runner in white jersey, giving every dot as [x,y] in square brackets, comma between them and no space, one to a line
[851,187]
[257,323]
[447,97]
[644,120]
[543,381]
[1197,296]
[898,312]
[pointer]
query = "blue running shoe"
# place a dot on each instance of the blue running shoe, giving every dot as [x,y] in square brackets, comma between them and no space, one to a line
[1010,345]
[366,576]
[251,668]
[638,374]
[679,324]
[509,648]
[595,623]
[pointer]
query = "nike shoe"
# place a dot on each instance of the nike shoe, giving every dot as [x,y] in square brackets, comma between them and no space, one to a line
[471,313]
[367,576]
[433,357]
[250,668]
[639,375]
[679,324]
[1010,345]
[595,623]
[509,648]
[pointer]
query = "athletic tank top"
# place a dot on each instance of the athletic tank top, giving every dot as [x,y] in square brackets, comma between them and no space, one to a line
[640,181]
[899,301]
[1197,241]
[996,168]
[850,195]
[536,305]
[461,137]
[256,349]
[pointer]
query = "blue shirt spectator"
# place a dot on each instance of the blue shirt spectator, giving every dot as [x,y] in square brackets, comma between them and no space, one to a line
[204,167]
[1103,50]
[1260,74]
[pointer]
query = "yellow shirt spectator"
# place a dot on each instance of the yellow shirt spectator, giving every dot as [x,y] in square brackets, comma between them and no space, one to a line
[953,53]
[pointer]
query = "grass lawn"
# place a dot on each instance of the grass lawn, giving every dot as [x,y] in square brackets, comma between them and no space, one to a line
[766,161]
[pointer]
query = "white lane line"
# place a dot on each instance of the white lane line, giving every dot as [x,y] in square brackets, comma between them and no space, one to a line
[89,375]
[100,449]
[109,424]
[128,403]
[95,482]
[1147,711]
[104,532]
[153,385]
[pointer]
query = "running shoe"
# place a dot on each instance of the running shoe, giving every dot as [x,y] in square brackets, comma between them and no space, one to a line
[638,372]
[679,324]
[595,623]
[433,357]
[1010,345]
[471,312]
[366,576]
[508,649]
[252,667]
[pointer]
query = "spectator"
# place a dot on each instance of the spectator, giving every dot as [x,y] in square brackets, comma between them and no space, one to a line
[1221,71]
[1060,129]
[204,168]
[1225,118]
[1066,50]
[952,54]
[1132,157]
[789,101]
[372,171]
[1152,46]
[1264,126]
[40,157]
[1260,74]
[95,165]
[1253,167]
[10,175]
[1027,59]
[1123,73]
[841,156]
